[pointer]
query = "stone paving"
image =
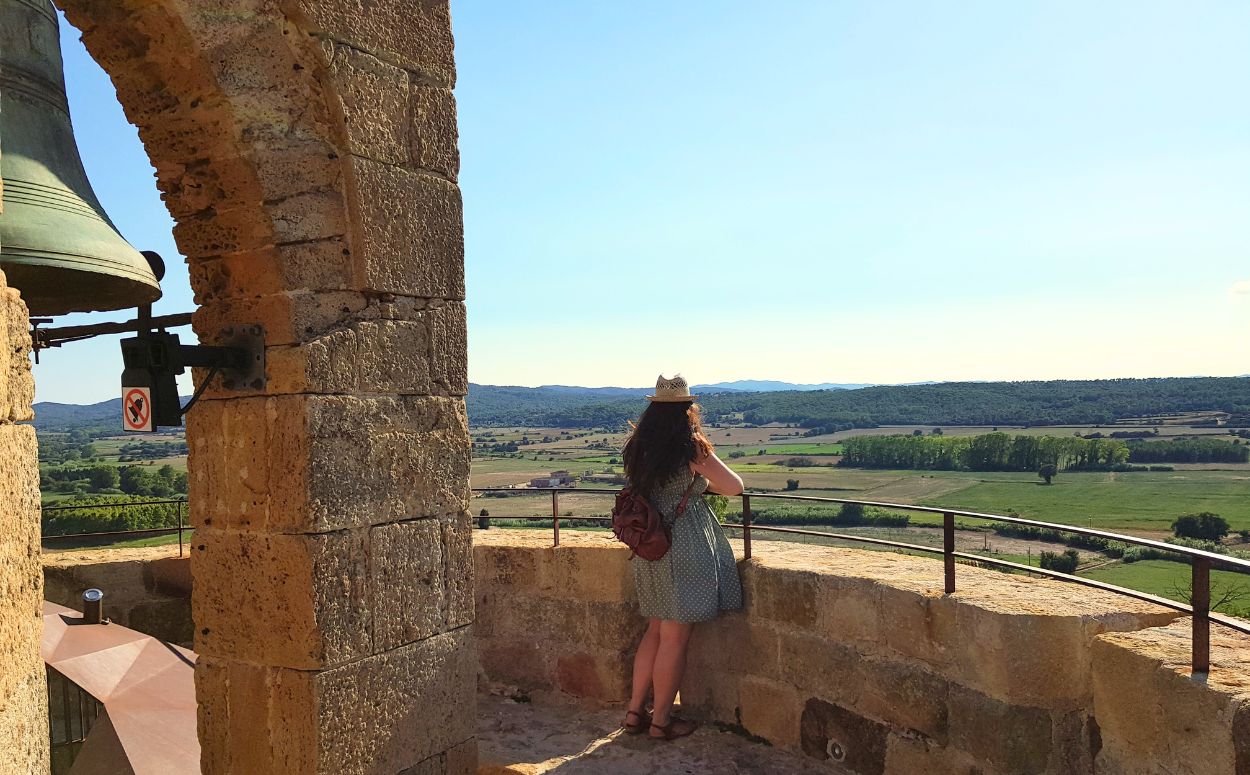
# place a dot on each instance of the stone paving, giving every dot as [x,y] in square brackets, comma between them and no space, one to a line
[529,738]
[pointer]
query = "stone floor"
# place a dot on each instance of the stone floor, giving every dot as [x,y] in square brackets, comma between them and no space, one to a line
[528,738]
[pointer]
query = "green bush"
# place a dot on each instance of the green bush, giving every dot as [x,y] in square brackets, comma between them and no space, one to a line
[1207,525]
[1064,563]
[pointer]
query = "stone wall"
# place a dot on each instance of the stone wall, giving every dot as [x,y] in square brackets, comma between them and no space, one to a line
[147,589]
[23,698]
[859,655]
[307,153]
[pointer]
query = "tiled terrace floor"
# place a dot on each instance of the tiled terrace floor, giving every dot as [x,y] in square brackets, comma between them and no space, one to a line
[536,737]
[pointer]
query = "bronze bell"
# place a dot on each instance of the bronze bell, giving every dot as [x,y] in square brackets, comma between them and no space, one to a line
[57,246]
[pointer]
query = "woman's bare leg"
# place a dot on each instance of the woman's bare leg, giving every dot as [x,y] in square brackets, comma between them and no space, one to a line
[670,664]
[644,664]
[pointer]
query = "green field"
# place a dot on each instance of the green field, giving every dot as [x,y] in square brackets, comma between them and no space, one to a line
[1171,580]
[1139,501]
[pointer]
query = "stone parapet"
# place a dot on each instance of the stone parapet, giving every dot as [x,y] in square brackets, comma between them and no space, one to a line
[860,655]
[146,589]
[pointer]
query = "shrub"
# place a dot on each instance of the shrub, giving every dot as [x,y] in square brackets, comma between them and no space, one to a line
[1162,468]
[851,514]
[792,484]
[1064,563]
[1206,525]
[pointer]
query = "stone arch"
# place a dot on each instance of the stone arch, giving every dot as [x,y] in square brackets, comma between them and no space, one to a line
[307,152]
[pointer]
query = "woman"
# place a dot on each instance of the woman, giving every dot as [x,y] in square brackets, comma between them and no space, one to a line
[667,458]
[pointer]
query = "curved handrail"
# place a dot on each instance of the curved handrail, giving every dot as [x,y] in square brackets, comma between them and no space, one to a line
[1215,557]
[1200,559]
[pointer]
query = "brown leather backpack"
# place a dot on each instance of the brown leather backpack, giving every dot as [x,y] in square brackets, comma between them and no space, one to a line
[641,527]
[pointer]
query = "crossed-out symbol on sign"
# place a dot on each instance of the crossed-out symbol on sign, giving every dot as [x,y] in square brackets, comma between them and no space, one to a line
[137,409]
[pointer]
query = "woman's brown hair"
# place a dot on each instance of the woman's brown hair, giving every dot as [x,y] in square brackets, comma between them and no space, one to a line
[667,438]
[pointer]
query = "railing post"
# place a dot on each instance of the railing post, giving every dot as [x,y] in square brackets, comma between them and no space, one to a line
[179,528]
[948,550]
[555,514]
[746,525]
[1200,572]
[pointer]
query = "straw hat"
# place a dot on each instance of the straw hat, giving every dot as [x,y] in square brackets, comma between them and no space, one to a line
[671,390]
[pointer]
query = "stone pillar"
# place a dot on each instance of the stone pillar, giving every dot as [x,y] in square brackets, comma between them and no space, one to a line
[23,696]
[332,591]
[307,152]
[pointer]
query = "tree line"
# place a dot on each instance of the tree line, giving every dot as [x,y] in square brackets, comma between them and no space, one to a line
[101,478]
[986,452]
[1188,451]
[101,514]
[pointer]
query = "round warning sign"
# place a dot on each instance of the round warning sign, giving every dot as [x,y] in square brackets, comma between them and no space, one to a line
[136,409]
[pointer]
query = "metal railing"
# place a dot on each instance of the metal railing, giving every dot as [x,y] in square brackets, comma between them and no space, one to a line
[1201,561]
[181,528]
[71,714]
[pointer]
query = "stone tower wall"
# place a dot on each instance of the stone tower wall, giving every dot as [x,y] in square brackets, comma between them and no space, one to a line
[23,696]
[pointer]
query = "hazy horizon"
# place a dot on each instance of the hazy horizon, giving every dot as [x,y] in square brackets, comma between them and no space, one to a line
[1023,191]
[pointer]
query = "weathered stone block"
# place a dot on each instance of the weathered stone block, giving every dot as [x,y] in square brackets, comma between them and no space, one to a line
[917,624]
[1155,717]
[739,644]
[298,463]
[906,755]
[598,675]
[288,318]
[512,567]
[711,694]
[317,215]
[458,571]
[374,98]
[285,171]
[412,230]
[313,589]
[529,664]
[787,596]
[904,695]
[433,132]
[219,233]
[1021,740]
[254,718]
[613,625]
[23,692]
[827,669]
[374,715]
[585,571]
[415,34]
[771,710]
[17,384]
[407,586]
[848,610]
[833,732]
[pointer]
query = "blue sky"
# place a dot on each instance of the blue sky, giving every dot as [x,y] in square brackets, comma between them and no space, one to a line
[818,191]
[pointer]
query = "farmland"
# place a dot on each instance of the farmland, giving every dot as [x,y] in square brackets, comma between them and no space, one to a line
[783,459]
[775,459]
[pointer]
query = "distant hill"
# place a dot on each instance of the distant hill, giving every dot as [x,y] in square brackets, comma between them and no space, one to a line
[769,386]
[950,403]
[1078,402]
[52,416]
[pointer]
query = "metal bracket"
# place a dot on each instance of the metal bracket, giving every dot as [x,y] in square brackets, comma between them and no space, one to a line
[246,370]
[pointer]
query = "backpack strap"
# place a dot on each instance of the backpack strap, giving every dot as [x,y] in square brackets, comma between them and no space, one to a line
[681,507]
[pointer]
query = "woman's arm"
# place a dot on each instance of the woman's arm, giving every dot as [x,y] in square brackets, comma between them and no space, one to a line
[721,480]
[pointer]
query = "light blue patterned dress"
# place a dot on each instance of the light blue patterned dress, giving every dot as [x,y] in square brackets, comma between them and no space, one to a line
[698,578]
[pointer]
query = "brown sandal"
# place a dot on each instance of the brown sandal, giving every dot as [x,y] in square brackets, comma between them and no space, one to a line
[667,732]
[638,727]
